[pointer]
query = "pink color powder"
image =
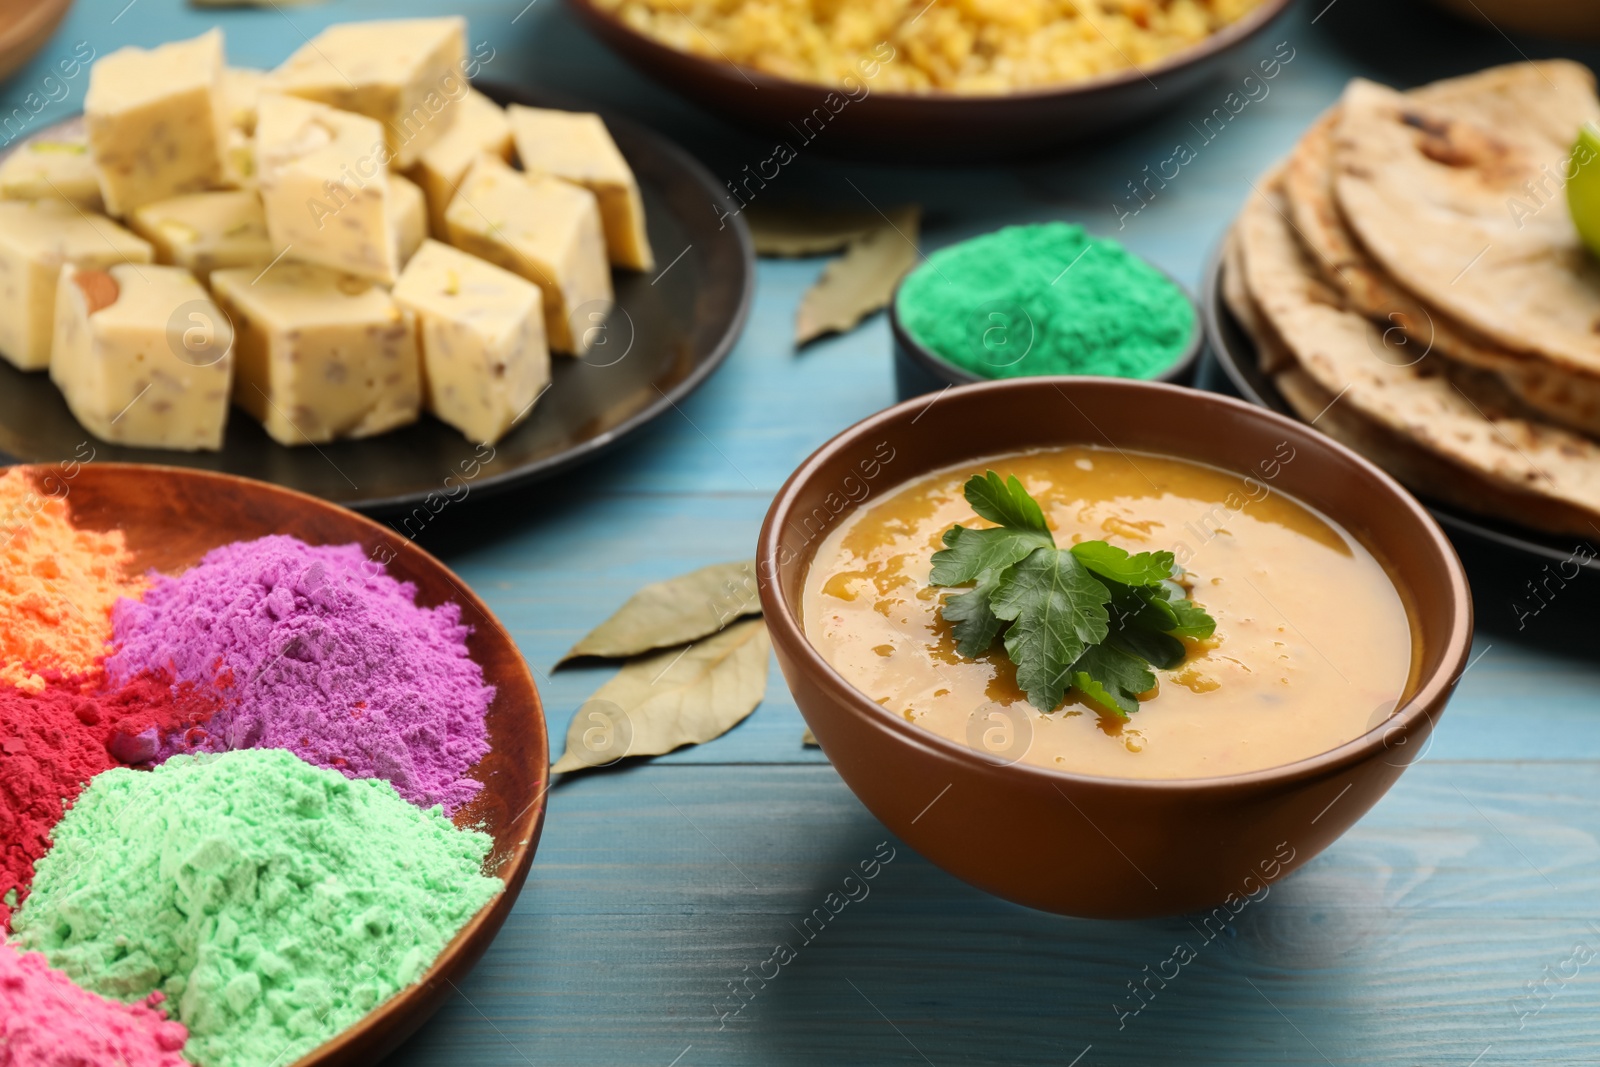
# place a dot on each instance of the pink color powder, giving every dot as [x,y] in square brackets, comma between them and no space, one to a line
[47,1021]
[332,659]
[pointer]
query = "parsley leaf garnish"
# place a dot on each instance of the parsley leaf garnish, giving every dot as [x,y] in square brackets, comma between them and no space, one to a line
[1092,617]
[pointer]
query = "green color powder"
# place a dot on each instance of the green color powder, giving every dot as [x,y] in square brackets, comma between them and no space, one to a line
[1046,299]
[273,902]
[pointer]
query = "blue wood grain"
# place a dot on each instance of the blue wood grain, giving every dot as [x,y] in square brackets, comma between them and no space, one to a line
[1413,940]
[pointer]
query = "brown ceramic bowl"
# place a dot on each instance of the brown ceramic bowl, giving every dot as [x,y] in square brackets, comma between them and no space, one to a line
[24,29]
[171,517]
[1092,846]
[1562,19]
[943,127]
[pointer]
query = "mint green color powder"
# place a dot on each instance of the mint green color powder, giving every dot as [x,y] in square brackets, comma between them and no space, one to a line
[275,903]
[1046,299]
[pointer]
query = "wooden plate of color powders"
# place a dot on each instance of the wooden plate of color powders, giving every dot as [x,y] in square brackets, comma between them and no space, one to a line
[171,517]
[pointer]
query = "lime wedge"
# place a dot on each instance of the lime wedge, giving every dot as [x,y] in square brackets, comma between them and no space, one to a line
[1583,188]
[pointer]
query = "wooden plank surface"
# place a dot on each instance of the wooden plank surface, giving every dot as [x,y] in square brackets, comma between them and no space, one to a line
[1441,930]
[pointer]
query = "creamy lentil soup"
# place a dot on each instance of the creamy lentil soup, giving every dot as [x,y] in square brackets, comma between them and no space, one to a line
[1313,644]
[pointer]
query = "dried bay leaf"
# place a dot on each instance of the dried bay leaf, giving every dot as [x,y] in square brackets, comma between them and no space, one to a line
[674,612]
[861,281]
[670,699]
[793,232]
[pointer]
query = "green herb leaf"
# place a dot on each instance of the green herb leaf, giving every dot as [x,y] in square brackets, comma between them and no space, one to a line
[1144,605]
[1112,678]
[1058,609]
[1095,617]
[973,621]
[1152,646]
[972,552]
[1006,503]
[1109,561]
[1193,622]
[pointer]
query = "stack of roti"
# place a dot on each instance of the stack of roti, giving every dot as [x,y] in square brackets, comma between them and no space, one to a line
[1414,284]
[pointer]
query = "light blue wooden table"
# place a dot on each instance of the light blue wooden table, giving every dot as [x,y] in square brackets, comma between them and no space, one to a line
[1455,925]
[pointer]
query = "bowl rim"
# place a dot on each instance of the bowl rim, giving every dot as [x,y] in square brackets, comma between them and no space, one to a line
[1225,38]
[1179,370]
[393,1020]
[1425,703]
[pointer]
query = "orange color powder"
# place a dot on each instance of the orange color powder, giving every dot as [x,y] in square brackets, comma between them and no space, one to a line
[57,584]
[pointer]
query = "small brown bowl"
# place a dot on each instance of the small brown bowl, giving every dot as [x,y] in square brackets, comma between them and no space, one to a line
[1078,844]
[918,369]
[24,29]
[927,127]
[170,517]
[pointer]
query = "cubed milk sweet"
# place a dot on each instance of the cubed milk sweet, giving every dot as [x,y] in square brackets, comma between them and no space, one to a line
[480,129]
[484,359]
[143,356]
[546,230]
[52,168]
[577,147]
[410,216]
[36,238]
[241,89]
[405,73]
[207,231]
[155,121]
[238,161]
[319,354]
[324,187]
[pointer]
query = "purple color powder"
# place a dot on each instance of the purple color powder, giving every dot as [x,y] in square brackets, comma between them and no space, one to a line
[331,659]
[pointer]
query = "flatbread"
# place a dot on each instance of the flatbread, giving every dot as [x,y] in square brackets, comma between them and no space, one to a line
[1569,397]
[1271,356]
[1430,191]
[1452,434]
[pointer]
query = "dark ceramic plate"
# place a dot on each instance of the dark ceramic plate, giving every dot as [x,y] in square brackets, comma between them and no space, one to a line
[944,127]
[1514,569]
[671,329]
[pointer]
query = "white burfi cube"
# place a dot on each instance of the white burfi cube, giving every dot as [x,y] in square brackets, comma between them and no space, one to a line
[484,359]
[142,356]
[52,168]
[324,187]
[204,232]
[546,230]
[38,237]
[155,121]
[238,161]
[241,89]
[404,73]
[577,147]
[480,128]
[410,216]
[319,354]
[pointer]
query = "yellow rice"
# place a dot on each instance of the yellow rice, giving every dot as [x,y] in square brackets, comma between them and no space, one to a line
[958,46]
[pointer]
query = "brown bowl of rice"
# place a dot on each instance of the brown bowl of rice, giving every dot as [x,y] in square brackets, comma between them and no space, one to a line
[935,79]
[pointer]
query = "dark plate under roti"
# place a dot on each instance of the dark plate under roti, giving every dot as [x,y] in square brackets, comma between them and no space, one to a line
[671,328]
[1519,575]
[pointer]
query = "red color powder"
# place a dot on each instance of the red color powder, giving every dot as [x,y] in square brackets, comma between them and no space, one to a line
[53,741]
